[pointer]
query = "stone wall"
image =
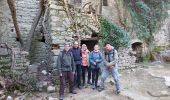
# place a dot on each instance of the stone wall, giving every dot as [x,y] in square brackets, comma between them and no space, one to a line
[162,37]
[126,59]
[7,32]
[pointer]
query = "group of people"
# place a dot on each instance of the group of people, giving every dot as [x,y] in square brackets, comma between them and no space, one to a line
[74,63]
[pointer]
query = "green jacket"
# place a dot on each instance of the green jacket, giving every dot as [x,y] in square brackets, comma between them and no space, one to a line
[65,62]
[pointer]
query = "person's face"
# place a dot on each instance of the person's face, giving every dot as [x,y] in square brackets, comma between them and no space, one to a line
[96,47]
[76,45]
[84,47]
[66,47]
[108,47]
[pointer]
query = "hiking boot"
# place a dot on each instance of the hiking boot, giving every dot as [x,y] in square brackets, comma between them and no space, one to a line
[93,87]
[61,97]
[83,85]
[80,87]
[118,92]
[88,82]
[100,89]
[73,92]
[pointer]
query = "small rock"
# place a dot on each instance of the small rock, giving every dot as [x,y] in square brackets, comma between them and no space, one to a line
[9,98]
[50,89]
[167,81]
[164,92]
[51,98]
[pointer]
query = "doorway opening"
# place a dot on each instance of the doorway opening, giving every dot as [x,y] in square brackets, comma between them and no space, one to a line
[137,46]
[90,43]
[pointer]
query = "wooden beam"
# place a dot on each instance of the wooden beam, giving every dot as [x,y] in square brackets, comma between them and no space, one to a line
[11,4]
[34,25]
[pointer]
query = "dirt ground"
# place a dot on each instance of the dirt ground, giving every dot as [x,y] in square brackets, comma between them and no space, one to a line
[143,83]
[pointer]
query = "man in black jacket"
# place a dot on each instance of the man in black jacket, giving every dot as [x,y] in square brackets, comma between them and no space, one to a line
[66,67]
[76,51]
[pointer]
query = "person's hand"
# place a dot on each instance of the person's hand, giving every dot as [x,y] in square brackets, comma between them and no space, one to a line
[73,73]
[96,60]
[94,63]
[61,75]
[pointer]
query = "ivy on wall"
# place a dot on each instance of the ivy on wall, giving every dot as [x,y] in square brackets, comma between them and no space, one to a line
[147,17]
[114,34]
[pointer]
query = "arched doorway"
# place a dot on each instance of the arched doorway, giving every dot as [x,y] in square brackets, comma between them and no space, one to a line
[137,47]
[90,42]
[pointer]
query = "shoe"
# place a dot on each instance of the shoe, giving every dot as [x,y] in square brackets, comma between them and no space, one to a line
[61,97]
[83,85]
[100,89]
[93,87]
[118,92]
[80,87]
[88,82]
[73,92]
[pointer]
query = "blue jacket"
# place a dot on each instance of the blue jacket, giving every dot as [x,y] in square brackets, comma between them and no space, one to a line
[95,56]
[76,55]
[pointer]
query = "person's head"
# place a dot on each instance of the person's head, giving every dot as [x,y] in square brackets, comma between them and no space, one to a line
[84,47]
[108,46]
[96,47]
[75,44]
[66,47]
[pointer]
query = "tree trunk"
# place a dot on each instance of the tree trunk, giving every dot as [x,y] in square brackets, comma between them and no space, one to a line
[34,25]
[11,4]
[100,7]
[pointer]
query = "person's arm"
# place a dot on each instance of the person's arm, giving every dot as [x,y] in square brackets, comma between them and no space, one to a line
[100,59]
[115,59]
[105,62]
[91,59]
[73,64]
[59,64]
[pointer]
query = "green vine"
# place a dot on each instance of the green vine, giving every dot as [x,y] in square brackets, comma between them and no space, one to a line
[147,17]
[117,36]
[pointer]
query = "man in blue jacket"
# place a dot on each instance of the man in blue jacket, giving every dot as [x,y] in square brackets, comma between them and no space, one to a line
[76,51]
[110,60]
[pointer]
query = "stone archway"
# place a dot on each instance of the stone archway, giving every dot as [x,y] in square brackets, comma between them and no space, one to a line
[137,46]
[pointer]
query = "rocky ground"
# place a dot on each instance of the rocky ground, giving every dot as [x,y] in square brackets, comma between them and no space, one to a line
[149,82]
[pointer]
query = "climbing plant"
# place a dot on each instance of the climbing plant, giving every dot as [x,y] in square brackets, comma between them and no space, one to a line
[147,16]
[116,35]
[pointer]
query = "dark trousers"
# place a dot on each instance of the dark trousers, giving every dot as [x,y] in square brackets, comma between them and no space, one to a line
[66,76]
[95,75]
[86,69]
[78,74]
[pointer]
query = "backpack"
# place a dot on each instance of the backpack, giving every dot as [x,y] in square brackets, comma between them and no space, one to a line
[62,55]
[112,52]
[98,53]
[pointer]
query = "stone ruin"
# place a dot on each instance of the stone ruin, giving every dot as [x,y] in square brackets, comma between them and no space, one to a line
[46,47]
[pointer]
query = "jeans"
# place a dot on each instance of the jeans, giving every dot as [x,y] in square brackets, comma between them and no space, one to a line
[68,75]
[84,70]
[115,75]
[95,75]
[78,74]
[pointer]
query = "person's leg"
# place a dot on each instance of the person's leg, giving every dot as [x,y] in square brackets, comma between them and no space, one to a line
[71,82]
[79,72]
[62,85]
[97,76]
[105,74]
[83,74]
[89,75]
[93,76]
[115,75]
